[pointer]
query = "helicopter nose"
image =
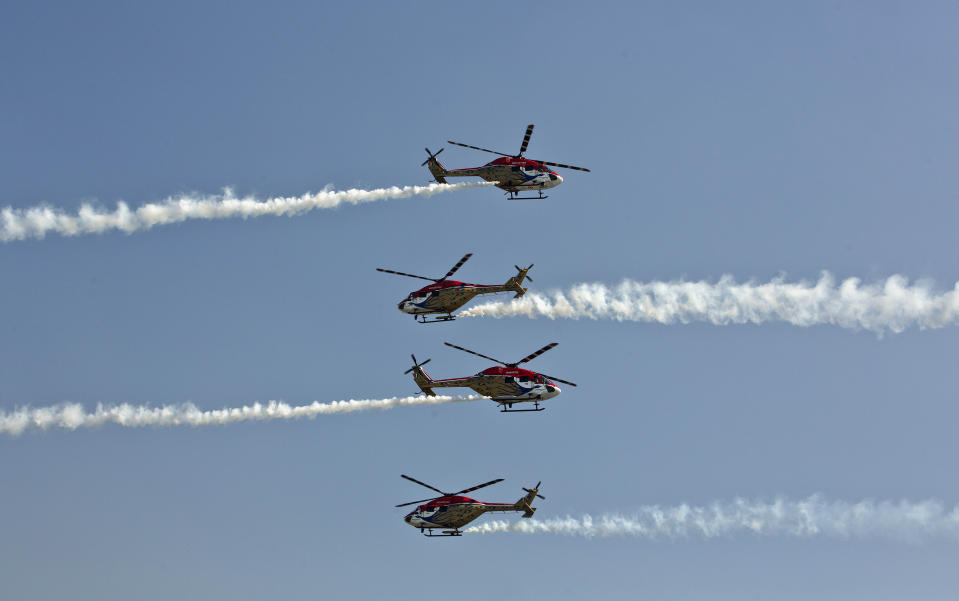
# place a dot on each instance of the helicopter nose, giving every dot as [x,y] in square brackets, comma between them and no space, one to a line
[408,518]
[553,389]
[555,179]
[400,306]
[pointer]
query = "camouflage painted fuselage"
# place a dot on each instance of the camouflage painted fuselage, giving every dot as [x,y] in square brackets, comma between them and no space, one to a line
[445,297]
[454,512]
[502,384]
[513,174]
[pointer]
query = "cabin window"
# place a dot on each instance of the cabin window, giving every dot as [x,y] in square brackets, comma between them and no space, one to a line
[524,378]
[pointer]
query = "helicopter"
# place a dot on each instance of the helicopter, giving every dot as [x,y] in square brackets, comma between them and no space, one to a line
[505,385]
[511,172]
[445,295]
[452,511]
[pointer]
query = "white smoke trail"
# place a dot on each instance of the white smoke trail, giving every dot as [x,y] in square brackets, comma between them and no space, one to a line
[890,305]
[72,415]
[811,517]
[37,222]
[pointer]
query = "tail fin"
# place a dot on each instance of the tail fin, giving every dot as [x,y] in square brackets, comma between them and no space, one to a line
[526,503]
[420,376]
[423,381]
[515,283]
[436,168]
[438,171]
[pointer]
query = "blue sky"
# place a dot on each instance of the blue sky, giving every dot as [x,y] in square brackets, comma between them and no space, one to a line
[752,139]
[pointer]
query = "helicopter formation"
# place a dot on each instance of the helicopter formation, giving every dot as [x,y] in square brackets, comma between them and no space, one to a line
[505,384]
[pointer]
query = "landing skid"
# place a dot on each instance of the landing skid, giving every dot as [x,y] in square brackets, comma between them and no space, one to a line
[513,196]
[422,319]
[508,409]
[429,533]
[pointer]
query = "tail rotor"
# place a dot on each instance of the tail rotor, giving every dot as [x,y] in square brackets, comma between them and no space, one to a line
[526,503]
[415,364]
[420,377]
[535,490]
[431,156]
[520,269]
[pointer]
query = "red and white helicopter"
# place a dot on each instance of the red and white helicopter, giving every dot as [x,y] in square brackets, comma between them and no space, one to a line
[445,295]
[505,385]
[451,511]
[513,172]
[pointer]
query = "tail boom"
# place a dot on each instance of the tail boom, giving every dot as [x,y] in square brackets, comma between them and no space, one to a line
[427,384]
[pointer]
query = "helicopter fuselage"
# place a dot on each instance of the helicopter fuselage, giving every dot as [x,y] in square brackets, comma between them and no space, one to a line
[446,296]
[452,512]
[513,174]
[504,385]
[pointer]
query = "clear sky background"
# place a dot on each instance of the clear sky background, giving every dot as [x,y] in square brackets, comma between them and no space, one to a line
[751,139]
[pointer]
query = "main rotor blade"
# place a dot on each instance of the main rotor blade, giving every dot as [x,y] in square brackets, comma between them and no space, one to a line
[564,166]
[417,502]
[471,489]
[457,266]
[478,148]
[474,353]
[423,484]
[529,132]
[409,275]
[549,377]
[537,353]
